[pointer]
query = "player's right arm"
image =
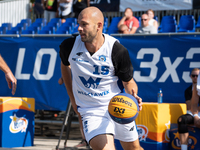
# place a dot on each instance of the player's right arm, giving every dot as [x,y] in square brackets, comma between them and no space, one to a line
[67,78]
[65,50]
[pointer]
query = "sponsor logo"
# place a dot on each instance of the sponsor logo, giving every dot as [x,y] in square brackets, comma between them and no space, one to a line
[79,53]
[90,83]
[119,111]
[132,129]
[102,58]
[142,132]
[121,100]
[93,94]
[18,124]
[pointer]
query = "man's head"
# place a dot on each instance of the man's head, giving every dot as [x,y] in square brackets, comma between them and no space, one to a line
[194,75]
[128,13]
[90,23]
[123,29]
[145,20]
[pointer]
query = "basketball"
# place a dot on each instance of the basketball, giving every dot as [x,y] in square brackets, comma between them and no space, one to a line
[123,108]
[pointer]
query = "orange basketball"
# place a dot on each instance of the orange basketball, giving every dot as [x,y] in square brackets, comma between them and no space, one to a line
[123,108]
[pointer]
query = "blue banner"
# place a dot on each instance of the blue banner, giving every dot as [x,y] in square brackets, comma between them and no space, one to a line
[160,61]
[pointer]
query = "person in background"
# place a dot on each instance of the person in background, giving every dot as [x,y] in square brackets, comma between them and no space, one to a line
[152,21]
[51,9]
[129,20]
[188,91]
[79,5]
[38,9]
[123,29]
[65,9]
[11,80]
[192,118]
[146,28]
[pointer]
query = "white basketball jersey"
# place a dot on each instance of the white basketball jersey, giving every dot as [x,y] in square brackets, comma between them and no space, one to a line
[93,77]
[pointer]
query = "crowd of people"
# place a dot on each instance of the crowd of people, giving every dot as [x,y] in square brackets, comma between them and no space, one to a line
[130,24]
[71,8]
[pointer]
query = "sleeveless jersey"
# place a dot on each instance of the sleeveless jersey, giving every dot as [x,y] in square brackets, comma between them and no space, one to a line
[94,81]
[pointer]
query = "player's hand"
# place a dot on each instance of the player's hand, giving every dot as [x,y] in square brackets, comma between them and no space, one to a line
[12,82]
[139,99]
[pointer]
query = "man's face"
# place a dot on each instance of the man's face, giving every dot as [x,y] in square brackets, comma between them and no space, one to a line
[87,28]
[194,76]
[145,20]
[128,13]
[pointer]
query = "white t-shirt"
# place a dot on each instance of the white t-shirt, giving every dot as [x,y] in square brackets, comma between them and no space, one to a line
[198,84]
[67,8]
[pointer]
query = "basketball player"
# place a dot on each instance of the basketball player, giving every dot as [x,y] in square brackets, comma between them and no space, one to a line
[190,119]
[92,64]
[11,80]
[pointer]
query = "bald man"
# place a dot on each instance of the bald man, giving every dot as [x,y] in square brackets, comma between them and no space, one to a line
[92,64]
[11,80]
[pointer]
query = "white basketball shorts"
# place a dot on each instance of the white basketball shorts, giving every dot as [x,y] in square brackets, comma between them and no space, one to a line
[94,125]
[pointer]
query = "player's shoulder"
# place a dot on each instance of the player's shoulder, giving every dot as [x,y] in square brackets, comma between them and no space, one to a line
[68,41]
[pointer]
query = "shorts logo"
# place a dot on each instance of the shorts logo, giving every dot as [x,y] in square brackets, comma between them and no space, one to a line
[18,124]
[102,58]
[142,132]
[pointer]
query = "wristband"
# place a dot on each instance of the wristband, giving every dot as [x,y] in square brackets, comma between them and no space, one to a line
[196,115]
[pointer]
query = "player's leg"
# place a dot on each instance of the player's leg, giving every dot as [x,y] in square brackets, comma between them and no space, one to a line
[183,121]
[128,136]
[98,131]
[135,145]
[102,142]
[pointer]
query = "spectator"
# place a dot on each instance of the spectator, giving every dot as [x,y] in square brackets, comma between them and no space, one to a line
[51,9]
[79,5]
[146,28]
[38,9]
[65,9]
[123,29]
[129,20]
[11,80]
[152,21]
[188,91]
[190,119]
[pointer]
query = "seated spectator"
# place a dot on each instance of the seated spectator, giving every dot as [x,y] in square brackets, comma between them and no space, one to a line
[188,91]
[146,28]
[189,119]
[129,20]
[65,9]
[152,21]
[123,29]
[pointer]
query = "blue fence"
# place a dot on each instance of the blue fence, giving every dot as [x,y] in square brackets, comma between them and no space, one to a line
[160,61]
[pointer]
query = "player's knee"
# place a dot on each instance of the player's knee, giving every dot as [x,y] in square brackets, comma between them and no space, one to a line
[182,124]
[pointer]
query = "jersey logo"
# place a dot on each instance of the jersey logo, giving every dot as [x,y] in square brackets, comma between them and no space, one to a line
[79,53]
[102,58]
[90,83]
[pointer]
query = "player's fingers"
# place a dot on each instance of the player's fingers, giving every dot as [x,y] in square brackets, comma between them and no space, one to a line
[139,99]
[14,87]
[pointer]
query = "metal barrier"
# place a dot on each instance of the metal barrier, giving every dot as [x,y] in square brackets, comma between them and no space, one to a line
[13,11]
